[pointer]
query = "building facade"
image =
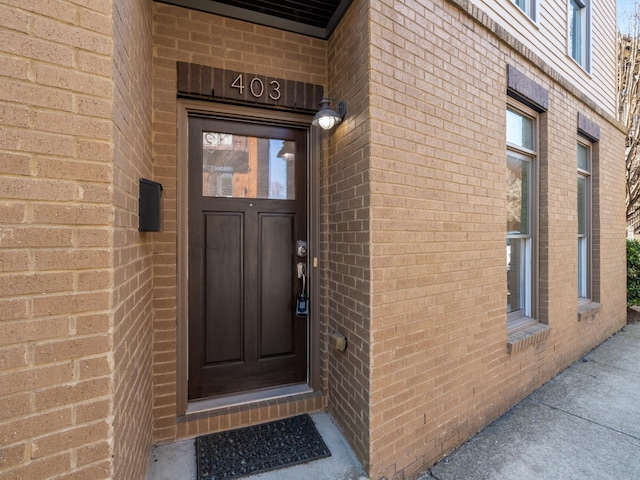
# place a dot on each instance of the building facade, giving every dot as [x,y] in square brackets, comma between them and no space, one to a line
[475,132]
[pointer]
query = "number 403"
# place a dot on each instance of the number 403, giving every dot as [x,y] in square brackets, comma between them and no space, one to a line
[257,87]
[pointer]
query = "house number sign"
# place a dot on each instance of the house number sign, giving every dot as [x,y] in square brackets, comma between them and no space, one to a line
[257,88]
[247,88]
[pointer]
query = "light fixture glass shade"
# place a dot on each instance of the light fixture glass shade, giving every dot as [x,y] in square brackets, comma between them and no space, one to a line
[326,118]
[328,121]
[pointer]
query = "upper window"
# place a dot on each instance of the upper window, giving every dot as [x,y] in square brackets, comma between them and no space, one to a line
[528,7]
[521,216]
[579,32]
[584,220]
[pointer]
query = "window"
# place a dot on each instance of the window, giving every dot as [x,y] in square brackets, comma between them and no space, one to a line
[579,32]
[247,167]
[584,221]
[521,216]
[528,7]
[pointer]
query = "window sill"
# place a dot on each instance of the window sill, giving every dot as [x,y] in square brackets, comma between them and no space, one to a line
[588,311]
[580,66]
[527,337]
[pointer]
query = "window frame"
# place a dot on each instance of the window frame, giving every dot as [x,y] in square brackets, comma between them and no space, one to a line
[529,8]
[526,316]
[583,7]
[585,255]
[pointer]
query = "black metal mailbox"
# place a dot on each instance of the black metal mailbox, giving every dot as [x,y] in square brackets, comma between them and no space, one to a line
[149,211]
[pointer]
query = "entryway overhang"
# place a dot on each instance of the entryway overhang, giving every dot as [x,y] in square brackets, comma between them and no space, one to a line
[314,18]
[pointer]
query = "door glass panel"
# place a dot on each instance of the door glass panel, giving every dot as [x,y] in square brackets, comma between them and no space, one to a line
[247,167]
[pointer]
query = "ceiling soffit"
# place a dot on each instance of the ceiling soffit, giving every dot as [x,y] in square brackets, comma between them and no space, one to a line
[314,18]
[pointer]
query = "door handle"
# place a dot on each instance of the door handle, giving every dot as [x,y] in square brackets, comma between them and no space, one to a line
[302,301]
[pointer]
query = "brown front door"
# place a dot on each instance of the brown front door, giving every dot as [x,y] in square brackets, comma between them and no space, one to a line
[247,210]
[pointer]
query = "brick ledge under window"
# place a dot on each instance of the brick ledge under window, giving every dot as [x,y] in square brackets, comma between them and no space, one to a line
[527,337]
[588,311]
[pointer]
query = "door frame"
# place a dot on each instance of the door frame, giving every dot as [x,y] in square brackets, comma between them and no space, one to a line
[185,108]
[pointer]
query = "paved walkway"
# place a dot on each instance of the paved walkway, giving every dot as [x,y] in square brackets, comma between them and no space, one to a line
[584,424]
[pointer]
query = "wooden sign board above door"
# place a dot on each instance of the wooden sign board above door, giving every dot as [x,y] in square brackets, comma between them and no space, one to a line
[247,88]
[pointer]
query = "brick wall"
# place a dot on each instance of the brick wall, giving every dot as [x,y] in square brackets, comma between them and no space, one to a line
[439,364]
[196,37]
[345,224]
[132,250]
[412,214]
[56,214]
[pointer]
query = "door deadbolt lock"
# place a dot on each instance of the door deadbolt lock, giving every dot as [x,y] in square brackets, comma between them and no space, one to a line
[301,248]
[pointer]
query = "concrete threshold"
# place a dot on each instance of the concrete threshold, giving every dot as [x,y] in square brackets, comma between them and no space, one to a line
[177,461]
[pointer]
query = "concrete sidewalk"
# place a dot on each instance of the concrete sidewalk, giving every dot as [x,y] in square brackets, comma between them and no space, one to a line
[584,424]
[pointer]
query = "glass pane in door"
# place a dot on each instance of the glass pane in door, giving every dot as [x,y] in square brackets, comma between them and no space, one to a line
[247,167]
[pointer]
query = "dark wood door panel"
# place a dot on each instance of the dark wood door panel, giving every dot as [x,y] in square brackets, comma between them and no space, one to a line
[223,310]
[248,376]
[277,266]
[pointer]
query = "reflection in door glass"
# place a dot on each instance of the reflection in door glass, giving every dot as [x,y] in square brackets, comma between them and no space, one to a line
[247,167]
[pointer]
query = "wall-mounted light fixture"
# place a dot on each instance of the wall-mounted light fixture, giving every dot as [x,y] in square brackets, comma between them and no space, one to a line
[326,117]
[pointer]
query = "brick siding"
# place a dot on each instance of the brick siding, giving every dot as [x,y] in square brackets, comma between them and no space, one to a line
[76,274]
[345,226]
[56,277]
[132,251]
[412,210]
[440,367]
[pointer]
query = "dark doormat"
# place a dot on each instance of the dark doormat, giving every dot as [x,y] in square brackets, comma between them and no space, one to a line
[260,448]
